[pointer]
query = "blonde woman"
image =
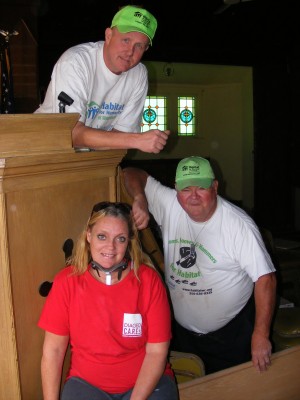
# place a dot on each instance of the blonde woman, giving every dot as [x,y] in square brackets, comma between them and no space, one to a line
[111,305]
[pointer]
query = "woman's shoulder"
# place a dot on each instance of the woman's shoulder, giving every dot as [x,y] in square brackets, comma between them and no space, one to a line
[148,273]
[64,273]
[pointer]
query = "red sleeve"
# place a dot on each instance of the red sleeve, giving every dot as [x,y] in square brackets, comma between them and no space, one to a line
[157,307]
[55,313]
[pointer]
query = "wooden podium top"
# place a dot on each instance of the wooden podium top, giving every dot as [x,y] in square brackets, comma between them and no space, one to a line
[26,134]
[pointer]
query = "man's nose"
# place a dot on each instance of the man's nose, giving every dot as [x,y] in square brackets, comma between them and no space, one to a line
[194,192]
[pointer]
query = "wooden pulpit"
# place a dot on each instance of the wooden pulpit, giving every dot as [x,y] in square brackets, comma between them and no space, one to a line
[47,191]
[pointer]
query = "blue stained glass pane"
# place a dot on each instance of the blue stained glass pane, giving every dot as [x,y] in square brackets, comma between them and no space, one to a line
[186,116]
[149,115]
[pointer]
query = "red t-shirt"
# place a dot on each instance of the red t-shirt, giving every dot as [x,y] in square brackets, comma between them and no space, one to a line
[108,326]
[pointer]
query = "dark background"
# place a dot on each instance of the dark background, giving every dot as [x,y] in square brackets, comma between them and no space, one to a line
[250,32]
[263,34]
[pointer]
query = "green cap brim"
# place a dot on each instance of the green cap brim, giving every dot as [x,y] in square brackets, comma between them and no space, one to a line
[203,183]
[126,29]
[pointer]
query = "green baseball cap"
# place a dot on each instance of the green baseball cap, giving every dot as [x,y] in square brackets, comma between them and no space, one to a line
[135,19]
[194,171]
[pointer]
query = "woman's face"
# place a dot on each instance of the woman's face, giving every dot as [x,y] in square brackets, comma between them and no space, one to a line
[108,240]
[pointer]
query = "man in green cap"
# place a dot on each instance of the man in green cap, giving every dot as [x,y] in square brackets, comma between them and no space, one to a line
[220,276]
[108,85]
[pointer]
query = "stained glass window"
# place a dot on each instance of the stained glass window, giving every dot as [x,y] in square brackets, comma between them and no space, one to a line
[186,116]
[155,113]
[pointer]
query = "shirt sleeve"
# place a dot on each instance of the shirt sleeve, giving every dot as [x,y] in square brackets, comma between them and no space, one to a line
[157,307]
[251,251]
[55,313]
[160,199]
[69,76]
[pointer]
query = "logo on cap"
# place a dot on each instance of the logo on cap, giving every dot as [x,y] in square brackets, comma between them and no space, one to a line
[135,19]
[194,171]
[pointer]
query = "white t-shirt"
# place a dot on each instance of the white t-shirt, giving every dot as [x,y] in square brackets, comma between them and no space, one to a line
[210,267]
[103,99]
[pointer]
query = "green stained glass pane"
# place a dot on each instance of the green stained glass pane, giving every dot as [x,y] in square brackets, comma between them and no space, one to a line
[186,116]
[154,114]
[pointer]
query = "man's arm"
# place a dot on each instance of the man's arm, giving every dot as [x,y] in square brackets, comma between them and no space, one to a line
[152,141]
[265,299]
[135,180]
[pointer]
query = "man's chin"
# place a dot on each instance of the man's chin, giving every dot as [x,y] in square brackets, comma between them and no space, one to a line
[125,66]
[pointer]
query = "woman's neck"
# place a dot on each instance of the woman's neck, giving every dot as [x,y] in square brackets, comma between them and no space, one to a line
[109,278]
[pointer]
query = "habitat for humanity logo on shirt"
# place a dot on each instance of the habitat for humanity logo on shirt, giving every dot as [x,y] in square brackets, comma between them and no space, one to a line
[105,111]
[132,325]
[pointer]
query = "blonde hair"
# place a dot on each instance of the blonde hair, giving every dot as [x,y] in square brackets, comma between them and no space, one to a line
[82,254]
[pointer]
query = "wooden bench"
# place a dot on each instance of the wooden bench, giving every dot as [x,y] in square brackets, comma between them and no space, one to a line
[280,382]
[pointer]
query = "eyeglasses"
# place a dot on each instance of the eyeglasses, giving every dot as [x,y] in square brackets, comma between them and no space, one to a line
[123,207]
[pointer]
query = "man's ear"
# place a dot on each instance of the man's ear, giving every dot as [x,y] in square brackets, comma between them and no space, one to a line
[108,34]
[215,185]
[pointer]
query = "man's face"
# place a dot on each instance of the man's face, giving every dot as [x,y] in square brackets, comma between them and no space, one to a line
[123,51]
[199,203]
